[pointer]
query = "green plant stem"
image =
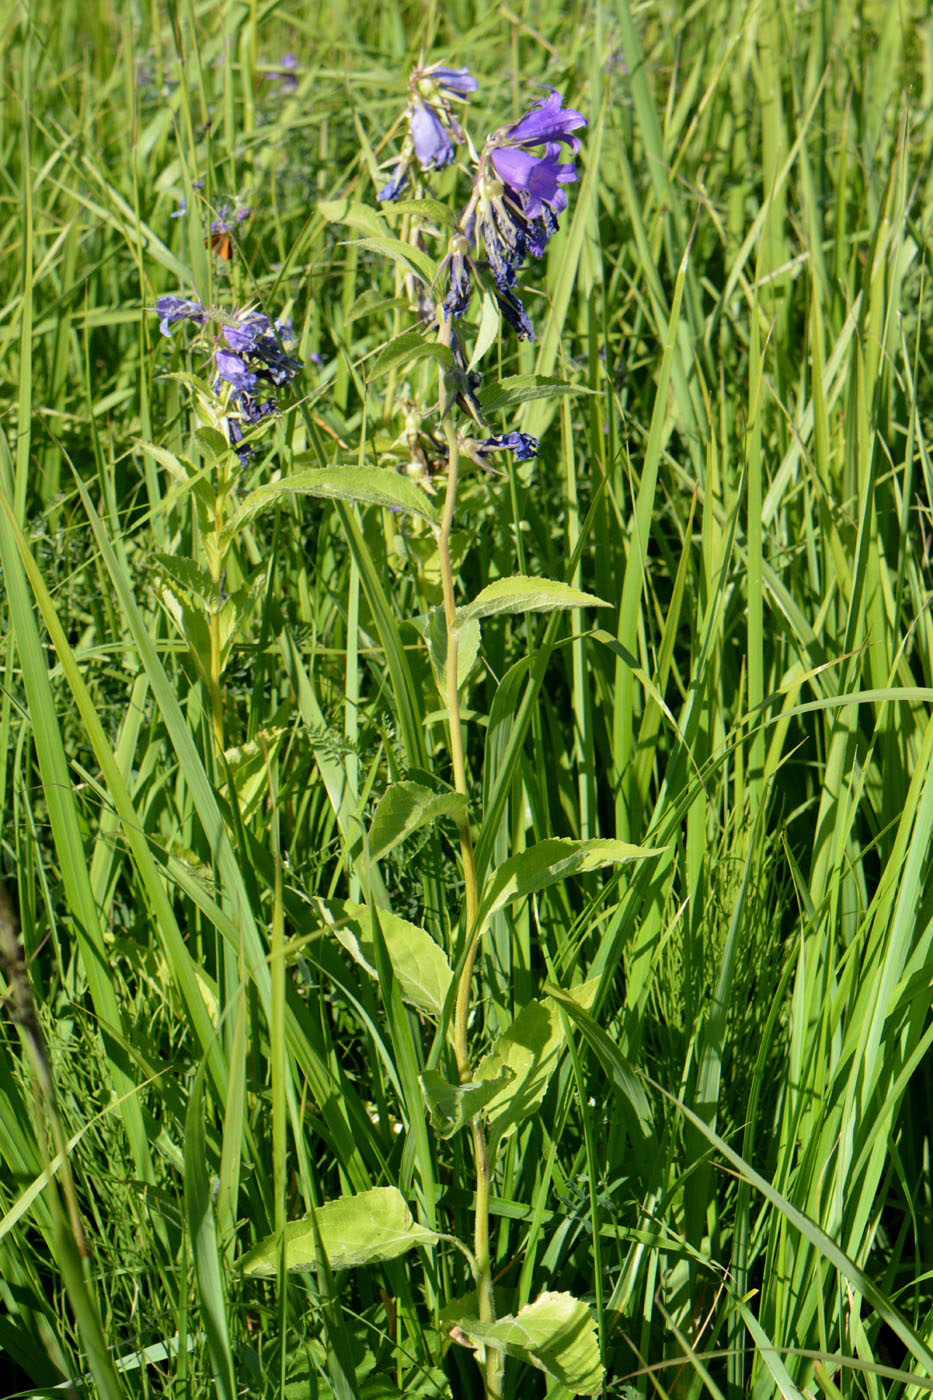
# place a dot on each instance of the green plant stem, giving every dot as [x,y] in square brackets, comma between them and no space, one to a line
[484,1286]
[217,574]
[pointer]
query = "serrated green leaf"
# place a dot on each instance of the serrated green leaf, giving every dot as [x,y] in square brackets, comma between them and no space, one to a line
[433,628]
[520,388]
[186,577]
[354,1230]
[366,485]
[523,594]
[556,1333]
[406,349]
[420,966]
[451,1106]
[528,1050]
[178,467]
[359,216]
[549,861]
[404,808]
[411,259]
[425,209]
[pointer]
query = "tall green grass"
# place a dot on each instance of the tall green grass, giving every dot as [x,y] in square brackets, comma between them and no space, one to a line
[732,1161]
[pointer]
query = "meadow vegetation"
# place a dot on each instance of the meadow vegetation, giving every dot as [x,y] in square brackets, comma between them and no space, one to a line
[246,863]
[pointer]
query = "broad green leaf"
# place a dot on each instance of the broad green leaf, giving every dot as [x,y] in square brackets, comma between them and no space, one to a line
[213,442]
[528,1051]
[366,485]
[406,806]
[434,630]
[354,1230]
[419,964]
[359,216]
[409,258]
[522,387]
[549,861]
[556,1333]
[408,347]
[522,594]
[451,1106]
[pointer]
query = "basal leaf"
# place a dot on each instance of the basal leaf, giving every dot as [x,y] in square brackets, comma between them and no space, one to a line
[420,966]
[522,594]
[549,861]
[451,1106]
[363,1229]
[556,1333]
[406,806]
[366,485]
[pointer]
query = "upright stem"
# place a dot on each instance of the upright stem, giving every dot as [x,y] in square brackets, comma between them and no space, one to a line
[484,1286]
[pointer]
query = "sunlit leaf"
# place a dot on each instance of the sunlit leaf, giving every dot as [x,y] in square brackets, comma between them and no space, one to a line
[556,1333]
[522,594]
[406,806]
[549,861]
[363,1229]
[365,485]
[453,1105]
[419,965]
[527,1052]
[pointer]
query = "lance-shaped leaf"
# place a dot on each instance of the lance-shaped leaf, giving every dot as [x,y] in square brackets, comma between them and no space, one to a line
[556,1333]
[521,388]
[419,965]
[359,216]
[409,258]
[364,1229]
[453,1105]
[549,861]
[528,1051]
[408,347]
[403,808]
[523,594]
[366,485]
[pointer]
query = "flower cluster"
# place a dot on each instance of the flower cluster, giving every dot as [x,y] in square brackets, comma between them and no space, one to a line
[517,196]
[433,130]
[247,353]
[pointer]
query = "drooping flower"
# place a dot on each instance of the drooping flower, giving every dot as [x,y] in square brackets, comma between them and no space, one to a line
[171,309]
[523,445]
[517,196]
[433,130]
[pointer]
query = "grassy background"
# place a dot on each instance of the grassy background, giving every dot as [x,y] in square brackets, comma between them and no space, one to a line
[742,282]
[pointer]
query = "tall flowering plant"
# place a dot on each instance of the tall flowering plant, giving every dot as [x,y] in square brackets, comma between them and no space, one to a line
[518,182]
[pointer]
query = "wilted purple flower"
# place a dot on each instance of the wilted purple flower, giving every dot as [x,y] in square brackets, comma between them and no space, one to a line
[523,445]
[433,130]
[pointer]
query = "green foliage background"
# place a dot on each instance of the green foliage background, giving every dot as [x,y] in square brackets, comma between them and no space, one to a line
[732,1161]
